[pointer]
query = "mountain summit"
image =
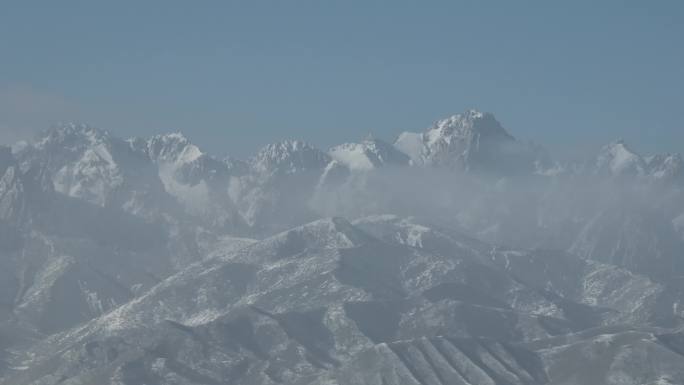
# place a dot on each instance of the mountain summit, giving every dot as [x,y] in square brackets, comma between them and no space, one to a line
[470,141]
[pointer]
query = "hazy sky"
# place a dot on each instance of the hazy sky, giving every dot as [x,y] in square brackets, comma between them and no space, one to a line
[235,75]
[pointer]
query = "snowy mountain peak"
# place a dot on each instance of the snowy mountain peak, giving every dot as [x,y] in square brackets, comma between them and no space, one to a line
[289,156]
[468,141]
[284,148]
[665,166]
[467,124]
[80,159]
[195,179]
[369,154]
[71,134]
[174,147]
[618,159]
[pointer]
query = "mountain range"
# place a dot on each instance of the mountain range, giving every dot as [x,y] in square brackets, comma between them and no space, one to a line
[454,255]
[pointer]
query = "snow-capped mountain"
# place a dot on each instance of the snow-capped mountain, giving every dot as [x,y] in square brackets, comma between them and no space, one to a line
[617,159]
[282,178]
[471,141]
[198,181]
[369,154]
[90,164]
[459,255]
[289,157]
[88,170]
[182,162]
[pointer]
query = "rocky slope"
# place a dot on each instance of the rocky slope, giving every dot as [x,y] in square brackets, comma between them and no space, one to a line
[321,301]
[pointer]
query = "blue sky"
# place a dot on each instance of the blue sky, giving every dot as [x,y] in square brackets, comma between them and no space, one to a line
[234,75]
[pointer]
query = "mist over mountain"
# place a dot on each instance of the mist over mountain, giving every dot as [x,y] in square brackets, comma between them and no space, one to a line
[456,254]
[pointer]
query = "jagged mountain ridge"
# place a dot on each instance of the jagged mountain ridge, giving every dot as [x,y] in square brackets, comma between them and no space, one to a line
[90,164]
